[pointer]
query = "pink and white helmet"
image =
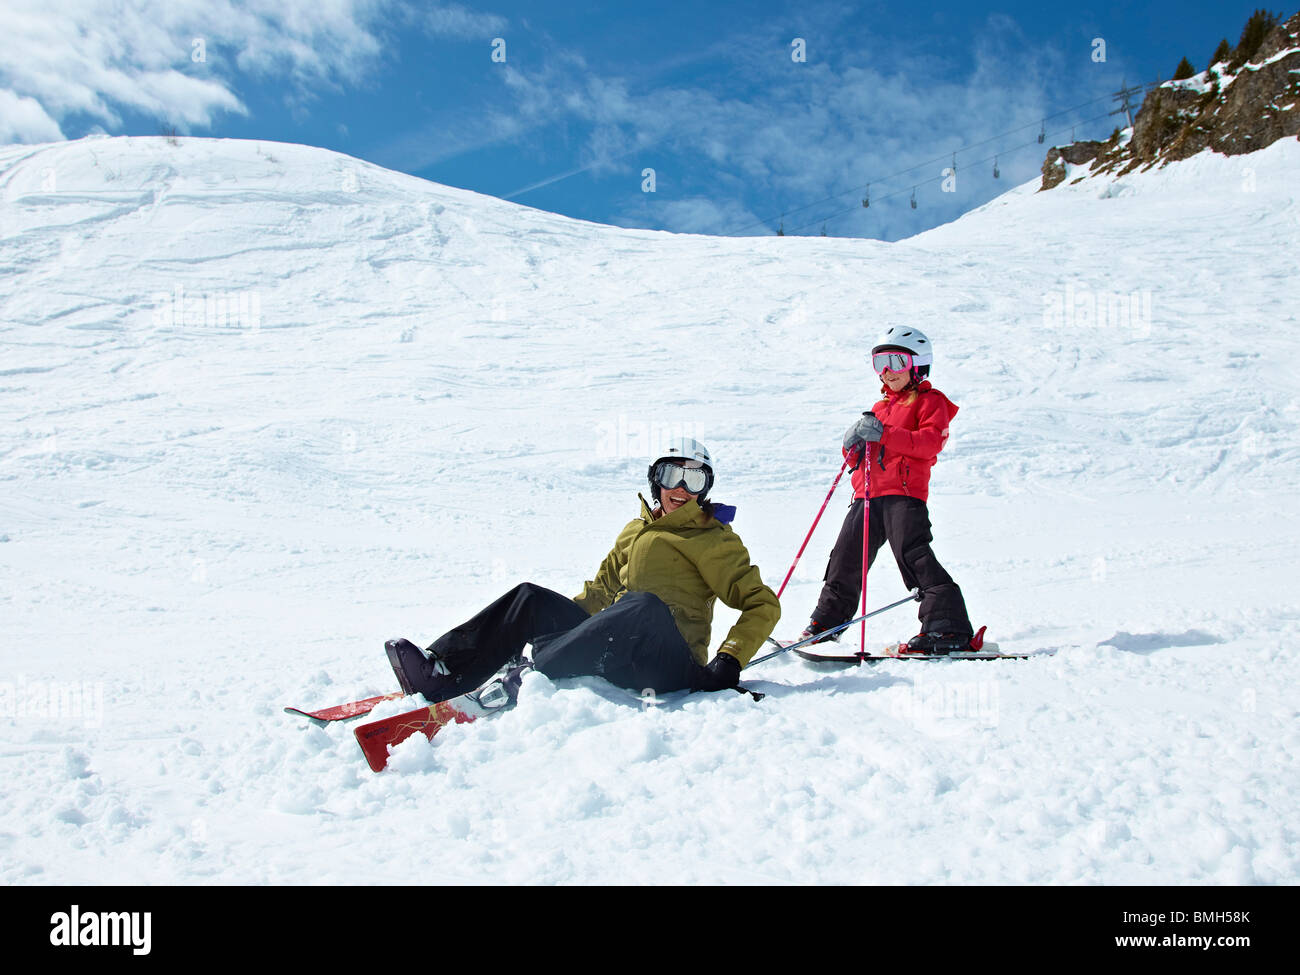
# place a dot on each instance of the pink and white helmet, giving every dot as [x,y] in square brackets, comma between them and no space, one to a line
[912,340]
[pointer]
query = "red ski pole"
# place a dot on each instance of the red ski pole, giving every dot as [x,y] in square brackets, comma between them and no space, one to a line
[799,554]
[866,535]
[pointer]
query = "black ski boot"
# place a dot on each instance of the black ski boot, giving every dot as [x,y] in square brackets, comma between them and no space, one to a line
[933,644]
[813,628]
[419,673]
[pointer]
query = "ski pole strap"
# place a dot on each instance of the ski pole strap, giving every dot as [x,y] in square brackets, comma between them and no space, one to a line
[911,597]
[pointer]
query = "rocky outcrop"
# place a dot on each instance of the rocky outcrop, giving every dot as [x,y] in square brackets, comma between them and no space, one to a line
[1231,112]
[1076,154]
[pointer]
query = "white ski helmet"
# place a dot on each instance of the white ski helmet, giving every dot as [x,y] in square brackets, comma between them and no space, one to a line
[911,340]
[682,452]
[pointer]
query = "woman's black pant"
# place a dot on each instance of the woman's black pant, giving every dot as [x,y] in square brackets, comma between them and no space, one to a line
[634,643]
[905,523]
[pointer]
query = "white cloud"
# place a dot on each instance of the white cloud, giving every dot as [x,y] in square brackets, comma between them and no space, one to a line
[181,60]
[23,120]
[797,133]
[453,20]
[691,215]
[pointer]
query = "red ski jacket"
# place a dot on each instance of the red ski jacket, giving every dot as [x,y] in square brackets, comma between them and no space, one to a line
[916,428]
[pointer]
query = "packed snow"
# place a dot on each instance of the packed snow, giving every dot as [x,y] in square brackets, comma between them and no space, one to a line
[265,406]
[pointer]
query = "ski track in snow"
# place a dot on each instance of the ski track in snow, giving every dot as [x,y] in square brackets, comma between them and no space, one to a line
[445,394]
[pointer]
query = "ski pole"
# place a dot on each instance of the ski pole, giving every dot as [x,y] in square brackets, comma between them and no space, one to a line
[913,596]
[799,554]
[866,535]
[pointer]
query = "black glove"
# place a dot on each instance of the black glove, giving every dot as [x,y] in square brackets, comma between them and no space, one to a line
[866,430]
[722,672]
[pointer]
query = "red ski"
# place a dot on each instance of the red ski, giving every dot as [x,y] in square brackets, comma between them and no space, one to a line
[827,652]
[375,737]
[345,712]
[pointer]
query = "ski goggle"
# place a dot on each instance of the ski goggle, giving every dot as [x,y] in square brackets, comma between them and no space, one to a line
[670,474]
[891,362]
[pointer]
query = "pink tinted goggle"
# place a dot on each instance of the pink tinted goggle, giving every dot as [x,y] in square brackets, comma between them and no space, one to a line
[891,362]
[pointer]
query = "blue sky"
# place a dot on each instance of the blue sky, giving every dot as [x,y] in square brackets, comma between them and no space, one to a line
[581,100]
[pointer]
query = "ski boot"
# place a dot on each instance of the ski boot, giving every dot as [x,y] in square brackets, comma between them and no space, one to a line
[813,628]
[419,673]
[935,644]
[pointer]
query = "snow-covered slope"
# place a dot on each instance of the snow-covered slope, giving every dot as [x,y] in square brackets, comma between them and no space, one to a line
[264,406]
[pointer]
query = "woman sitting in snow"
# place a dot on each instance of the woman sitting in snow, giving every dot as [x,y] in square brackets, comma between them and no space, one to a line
[643,622]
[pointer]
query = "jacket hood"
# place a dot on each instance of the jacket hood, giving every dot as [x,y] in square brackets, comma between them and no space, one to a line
[689,513]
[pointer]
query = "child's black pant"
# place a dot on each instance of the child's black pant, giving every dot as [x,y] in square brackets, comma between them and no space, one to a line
[905,523]
[635,643]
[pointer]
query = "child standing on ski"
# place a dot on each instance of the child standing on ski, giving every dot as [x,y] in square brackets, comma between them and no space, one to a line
[901,438]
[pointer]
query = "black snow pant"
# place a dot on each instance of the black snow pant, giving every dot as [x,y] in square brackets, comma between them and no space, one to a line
[905,523]
[635,643]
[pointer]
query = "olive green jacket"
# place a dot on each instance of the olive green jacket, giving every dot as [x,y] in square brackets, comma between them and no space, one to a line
[688,559]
